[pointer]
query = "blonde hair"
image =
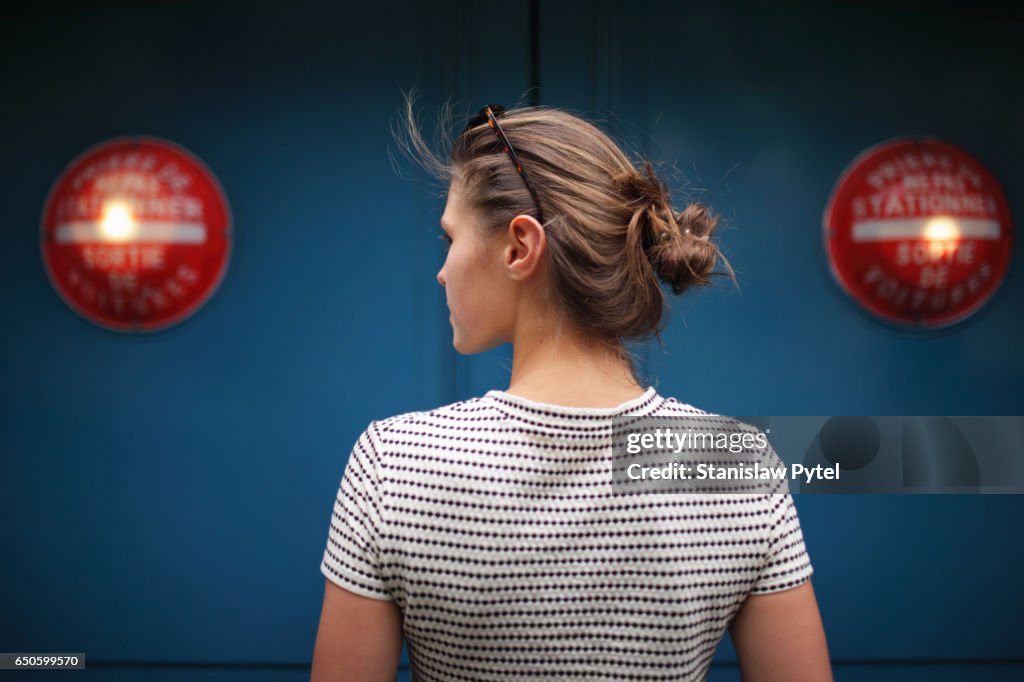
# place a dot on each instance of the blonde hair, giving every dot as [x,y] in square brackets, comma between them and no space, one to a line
[609,223]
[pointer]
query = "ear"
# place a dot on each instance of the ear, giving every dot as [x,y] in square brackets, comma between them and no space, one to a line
[526,245]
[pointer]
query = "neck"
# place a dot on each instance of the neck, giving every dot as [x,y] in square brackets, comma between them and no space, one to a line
[553,364]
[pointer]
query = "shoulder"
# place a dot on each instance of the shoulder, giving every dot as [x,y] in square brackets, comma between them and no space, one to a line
[672,408]
[426,423]
[688,415]
[412,444]
[462,410]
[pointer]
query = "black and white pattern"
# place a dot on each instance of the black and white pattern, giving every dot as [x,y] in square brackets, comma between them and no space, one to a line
[492,524]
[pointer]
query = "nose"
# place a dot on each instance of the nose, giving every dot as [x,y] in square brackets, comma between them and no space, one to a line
[440,277]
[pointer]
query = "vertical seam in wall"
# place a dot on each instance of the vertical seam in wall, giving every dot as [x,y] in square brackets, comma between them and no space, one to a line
[449,364]
[635,39]
[612,32]
[591,60]
[461,368]
[419,322]
[535,52]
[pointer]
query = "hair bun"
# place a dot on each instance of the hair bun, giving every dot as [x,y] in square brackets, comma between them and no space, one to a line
[689,258]
[697,220]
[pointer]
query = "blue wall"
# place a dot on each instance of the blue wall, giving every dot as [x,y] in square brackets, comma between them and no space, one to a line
[165,497]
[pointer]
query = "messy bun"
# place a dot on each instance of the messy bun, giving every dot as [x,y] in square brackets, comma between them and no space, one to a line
[677,246]
[611,230]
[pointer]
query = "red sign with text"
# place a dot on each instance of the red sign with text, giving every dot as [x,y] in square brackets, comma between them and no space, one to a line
[918,232]
[136,234]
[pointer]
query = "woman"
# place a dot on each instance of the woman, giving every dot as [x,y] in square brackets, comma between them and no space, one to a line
[486,532]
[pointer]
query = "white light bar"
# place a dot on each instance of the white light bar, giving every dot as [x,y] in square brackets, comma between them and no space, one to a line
[916,228]
[170,233]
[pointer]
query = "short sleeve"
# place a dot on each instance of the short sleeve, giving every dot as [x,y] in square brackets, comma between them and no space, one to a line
[787,564]
[352,558]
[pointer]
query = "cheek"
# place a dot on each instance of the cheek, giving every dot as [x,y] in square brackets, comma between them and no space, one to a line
[470,281]
[453,267]
[459,275]
[464,265]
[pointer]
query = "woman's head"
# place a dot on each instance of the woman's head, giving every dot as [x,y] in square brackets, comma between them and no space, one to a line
[487,273]
[610,231]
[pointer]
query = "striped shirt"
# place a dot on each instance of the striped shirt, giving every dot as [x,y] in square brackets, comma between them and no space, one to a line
[492,524]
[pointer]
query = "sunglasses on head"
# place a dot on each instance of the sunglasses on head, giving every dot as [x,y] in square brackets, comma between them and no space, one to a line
[489,115]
